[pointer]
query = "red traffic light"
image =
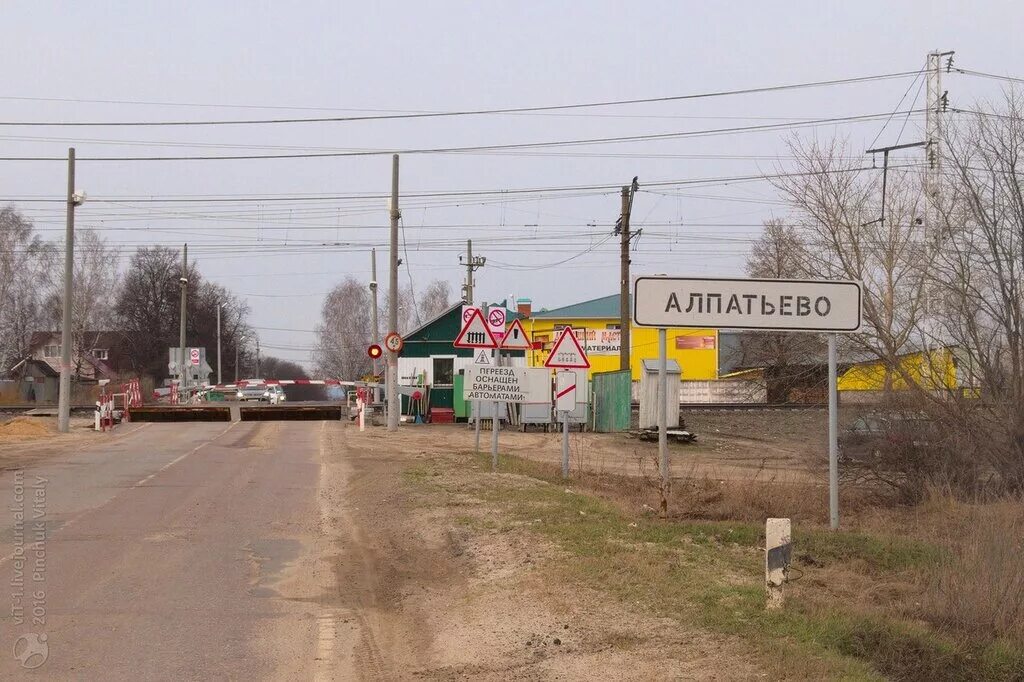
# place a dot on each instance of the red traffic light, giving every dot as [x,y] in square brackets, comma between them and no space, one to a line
[374,351]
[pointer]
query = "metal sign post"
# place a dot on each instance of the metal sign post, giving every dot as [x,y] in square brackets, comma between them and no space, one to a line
[481,357]
[565,402]
[833,435]
[775,304]
[565,444]
[663,401]
[495,422]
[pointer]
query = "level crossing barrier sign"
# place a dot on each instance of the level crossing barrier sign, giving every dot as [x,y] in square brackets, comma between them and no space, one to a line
[475,333]
[567,353]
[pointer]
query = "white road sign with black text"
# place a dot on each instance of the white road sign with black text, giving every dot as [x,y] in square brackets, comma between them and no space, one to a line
[776,304]
[507,384]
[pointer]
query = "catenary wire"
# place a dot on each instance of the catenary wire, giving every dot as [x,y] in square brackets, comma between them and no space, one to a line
[467,112]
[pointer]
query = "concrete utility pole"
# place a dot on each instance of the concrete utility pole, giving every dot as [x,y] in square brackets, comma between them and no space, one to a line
[394,401]
[64,397]
[622,229]
[183,381]
[376,324]
[469,272]
[936,102]
[935,106]
[258,375]
[472,265]
[219,379]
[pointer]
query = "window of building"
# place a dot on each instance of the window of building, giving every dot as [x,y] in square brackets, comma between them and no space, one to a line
[444,371]
[99,353]
[51,351]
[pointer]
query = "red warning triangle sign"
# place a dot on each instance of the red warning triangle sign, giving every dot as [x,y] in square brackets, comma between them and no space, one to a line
[567,352]
[515,338]
[475,333]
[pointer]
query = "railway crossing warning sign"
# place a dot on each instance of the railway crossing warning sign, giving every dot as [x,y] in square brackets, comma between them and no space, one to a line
[567,352]
[515,338]
[475,333]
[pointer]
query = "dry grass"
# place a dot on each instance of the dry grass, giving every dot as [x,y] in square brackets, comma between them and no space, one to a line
[700,494]
[977,587]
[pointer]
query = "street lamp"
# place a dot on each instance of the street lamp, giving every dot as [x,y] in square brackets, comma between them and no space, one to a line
[240,342]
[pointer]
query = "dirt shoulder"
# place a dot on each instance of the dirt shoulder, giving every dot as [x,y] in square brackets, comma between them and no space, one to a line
[435,580]
[26,440]
[716,454]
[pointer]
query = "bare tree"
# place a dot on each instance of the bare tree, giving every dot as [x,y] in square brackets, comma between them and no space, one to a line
[435,299]
[780,253]
[149,308]
[27,264]
[407,311]
[94,297]
[978,291]
[344,331]
[836,210]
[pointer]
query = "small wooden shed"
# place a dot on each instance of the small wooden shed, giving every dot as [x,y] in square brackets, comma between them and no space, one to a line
[649,393]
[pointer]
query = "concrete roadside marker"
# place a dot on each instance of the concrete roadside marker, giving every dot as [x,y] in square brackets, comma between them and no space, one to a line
[778,553]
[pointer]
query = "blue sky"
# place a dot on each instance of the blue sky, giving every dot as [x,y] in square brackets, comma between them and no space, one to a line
[330,58]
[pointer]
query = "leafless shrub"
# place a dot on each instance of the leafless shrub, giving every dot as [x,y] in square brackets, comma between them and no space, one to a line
[978,585]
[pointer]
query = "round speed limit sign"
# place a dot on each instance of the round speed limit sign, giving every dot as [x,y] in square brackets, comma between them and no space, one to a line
[394,343]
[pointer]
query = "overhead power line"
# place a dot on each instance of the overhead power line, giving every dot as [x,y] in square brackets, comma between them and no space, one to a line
[491,147]
[466,112]
[994,76]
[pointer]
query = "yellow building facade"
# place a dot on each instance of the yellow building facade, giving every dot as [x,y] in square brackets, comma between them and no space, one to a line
[596,323]
[932,371]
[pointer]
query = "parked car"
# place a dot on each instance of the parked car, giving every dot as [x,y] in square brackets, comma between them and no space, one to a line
[272,394]
[872,435]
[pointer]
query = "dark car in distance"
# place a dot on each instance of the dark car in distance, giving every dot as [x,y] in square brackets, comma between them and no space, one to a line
[873,435]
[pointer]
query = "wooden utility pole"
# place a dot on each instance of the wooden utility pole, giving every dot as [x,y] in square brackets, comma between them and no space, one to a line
[622,228]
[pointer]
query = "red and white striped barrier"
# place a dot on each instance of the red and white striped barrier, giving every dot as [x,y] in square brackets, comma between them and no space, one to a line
[286,382]
[133,393]
[105,412]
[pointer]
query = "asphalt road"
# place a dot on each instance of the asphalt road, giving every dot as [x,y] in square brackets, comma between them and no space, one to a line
[168,551]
